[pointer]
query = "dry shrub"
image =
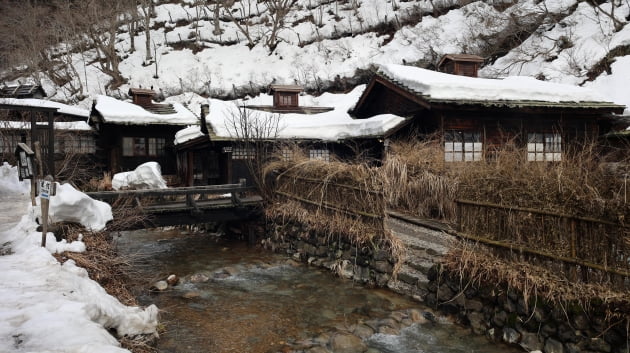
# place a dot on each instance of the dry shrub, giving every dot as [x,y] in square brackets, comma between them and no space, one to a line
[475,265]
[99,184]
[416,180]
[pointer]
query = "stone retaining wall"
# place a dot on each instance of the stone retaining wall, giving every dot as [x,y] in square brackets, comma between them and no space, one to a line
[502,315]
[372,265]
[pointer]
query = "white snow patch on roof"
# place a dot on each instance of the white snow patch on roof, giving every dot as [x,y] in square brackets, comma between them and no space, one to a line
[187,134]
[41,103]
[119,112]
[333,125]
[58,125]
[438,85]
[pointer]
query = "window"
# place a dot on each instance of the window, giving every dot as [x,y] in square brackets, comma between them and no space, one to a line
[285,99]
[84,144]
[544,147]
[319,154]
[141,146]
[243,153]
[462,146]
[287,154]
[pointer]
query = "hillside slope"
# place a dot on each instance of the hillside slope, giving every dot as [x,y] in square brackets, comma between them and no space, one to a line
[331,45]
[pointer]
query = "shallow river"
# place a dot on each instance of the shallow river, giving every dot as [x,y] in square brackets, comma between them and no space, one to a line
[232,298]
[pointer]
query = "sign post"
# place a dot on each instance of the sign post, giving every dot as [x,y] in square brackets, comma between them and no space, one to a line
[26,167]
[46,189]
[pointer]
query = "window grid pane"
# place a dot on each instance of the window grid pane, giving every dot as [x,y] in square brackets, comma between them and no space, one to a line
[243,153]
[319,154]
[544,147]
[462,146]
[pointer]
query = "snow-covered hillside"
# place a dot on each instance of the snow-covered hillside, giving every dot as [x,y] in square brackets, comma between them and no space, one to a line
[325,44]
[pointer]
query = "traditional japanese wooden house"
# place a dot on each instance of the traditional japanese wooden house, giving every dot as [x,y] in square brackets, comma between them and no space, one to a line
[460,64]
[214,153]
[475,116]
[72,136]
[22,91]
[132,133]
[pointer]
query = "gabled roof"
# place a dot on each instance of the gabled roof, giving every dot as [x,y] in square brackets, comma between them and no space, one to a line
[286,88]
[21,91]
[428,87]
[461,57]
[114,111]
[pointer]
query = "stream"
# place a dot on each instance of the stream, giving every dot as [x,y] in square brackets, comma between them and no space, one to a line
[234,298]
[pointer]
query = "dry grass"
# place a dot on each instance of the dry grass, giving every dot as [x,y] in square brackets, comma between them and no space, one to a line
[475,265]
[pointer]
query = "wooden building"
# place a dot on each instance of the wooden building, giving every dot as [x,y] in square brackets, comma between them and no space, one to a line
[475,116]
[286,99]
[131,134]
[71,135]
[211,154]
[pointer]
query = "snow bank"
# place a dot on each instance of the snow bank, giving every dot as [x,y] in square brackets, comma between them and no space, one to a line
[51,307]
[615,85]
[10,184]
[71,205]
[41,103]
[439,85]
[145,176]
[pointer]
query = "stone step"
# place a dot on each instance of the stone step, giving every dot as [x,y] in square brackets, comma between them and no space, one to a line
[400,287]
[412,276]
[421,265]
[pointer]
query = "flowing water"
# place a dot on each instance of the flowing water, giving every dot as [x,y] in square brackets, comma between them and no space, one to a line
[232,298]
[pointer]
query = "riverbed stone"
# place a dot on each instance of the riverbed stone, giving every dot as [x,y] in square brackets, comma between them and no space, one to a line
[444,292]
[416,316]
[198,278]
[363,331]
[572,348]
[232,271]
[599,345]
[510,335]
[388,330]
[397,315]
[553,346]
[530,341]
[383,266]
[474,305]
[500,318]
[318,349]
[347,343]
[160,285]
[477,322]
[172,280]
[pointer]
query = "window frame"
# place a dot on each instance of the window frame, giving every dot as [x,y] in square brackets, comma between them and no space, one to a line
[463,146]
[544,147]
[319,154]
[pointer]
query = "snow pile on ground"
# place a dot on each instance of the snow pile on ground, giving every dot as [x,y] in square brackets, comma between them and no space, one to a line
[51,307]
[145,176]
[10,183]
[71,205]
[438,85]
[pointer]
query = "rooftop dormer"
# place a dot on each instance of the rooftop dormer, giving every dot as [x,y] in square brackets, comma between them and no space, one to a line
[460,64]
[142,97]
[285,96]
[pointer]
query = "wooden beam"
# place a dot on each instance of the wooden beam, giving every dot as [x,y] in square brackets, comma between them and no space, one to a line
[190,190]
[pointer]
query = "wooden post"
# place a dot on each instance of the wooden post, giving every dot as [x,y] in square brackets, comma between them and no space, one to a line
[573,272]
[45,191]
[251,239]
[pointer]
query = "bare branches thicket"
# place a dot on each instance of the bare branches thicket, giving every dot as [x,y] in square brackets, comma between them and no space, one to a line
[254,132]
[278,11]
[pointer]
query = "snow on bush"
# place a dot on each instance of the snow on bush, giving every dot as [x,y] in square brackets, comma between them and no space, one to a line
[10,183]
[71,205]
[145,176]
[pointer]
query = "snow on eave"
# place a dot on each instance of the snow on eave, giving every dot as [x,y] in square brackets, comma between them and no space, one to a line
[114,111]
[58,125]
[513,91]
[41,103]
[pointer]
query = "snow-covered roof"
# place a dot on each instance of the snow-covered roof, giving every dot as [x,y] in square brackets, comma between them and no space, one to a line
[58,125]
[333,125]
[115,111]
[41,103]
[436,86]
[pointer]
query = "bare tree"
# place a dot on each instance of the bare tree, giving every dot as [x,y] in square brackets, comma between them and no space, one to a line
[146,7]
[278,10]
[255,133]
[242,21]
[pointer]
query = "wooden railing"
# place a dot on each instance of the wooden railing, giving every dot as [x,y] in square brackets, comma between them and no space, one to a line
[584,248]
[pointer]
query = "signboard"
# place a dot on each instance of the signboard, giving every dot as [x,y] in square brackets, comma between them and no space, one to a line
[44,189]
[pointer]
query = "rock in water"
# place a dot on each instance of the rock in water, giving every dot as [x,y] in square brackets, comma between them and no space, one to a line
[160,285]
[347,343]
[172,280]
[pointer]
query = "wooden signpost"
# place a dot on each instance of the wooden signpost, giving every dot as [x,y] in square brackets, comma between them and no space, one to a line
[46,190]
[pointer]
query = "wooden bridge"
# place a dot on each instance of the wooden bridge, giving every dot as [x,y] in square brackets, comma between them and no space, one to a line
[185,205]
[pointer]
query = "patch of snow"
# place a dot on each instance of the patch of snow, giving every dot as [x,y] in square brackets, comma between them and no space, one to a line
[120,112]
[58,125]
[41,103]
[71,205]
[146,176]
[10,183]
[51,307]
[439,85]
[187,134]
[615,85]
